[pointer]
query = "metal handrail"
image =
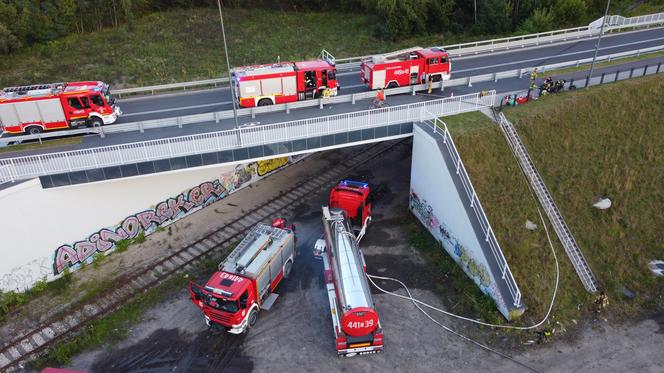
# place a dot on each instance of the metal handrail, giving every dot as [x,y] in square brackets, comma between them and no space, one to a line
[550,208]
[19,168]
[476,205]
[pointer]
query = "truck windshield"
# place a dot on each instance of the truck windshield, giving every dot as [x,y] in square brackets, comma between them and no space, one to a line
[221,304]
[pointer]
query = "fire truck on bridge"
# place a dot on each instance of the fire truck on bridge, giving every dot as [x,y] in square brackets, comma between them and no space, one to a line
[283,82]
[406,67]
[357,328]
[246,280]
[37,108]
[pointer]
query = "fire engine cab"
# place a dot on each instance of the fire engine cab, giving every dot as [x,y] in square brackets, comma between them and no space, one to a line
[357,328]
[283,82]
[406,67]
[246,280]
[37,108]
[355,198]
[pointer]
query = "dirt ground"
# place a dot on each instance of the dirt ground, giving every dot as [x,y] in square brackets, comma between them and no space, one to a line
[296,334]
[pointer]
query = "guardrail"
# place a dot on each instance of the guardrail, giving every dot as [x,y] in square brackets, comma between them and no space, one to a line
[456,50]
[28,167]
[476,206]
[227,114]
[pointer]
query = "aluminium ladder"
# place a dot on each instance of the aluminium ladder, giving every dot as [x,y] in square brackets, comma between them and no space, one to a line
[562,230]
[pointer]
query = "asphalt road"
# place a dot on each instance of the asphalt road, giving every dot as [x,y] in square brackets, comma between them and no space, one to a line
[502,86]
[207,101]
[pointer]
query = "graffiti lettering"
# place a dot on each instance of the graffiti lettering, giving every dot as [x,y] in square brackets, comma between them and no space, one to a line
[269,165]
[164,213]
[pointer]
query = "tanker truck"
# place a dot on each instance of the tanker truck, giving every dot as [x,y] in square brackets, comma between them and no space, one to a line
[357,329]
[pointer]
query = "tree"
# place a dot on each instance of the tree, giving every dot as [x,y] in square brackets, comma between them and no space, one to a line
[569,13]
[541,20]
[8,42]
[495,16]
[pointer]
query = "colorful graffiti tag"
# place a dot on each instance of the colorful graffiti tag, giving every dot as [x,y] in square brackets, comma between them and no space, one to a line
[475,269]
[163,213]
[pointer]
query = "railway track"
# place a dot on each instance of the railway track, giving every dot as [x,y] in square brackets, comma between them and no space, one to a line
[30,344]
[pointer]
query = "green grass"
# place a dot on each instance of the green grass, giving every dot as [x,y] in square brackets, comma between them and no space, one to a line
[51,143]
[643,9]
[602,142]
[11,300]
[184,45]
[602,64]
[113,327]
[467,123]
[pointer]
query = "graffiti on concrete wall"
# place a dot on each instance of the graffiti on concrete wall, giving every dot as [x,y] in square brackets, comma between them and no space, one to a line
[22,277]
[163,213]
[473,267]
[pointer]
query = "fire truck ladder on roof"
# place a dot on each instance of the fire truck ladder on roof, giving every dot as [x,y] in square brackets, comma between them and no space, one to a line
[562,230]
[327,56]
[265,231]
[389,55]
[35,87]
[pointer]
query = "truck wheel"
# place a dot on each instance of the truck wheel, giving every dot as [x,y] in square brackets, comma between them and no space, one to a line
[253,316]
[34,130]
[265,102]
[392,85]
[288,268]
[96,122]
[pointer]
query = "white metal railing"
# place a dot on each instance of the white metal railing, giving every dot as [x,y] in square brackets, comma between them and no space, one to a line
[19,168]
[227,114]
[476,206]
[546,200]
[615,23]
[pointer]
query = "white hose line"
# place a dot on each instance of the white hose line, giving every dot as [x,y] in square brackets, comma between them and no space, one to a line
[553,296]
[415,302]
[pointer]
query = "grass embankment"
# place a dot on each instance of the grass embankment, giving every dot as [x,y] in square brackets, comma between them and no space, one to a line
[184,45]
[603,142]
[48,144]
[586,67]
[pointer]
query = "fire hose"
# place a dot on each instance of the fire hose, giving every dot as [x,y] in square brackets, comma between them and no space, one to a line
[419,304]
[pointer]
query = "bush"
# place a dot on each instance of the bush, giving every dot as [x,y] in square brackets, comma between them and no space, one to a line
[541,20]
[569,13]
[8,42]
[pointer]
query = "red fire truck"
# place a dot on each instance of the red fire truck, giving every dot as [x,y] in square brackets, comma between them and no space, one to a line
[246,280]
[406,67]
[37,108]
[283,82]
[355,320]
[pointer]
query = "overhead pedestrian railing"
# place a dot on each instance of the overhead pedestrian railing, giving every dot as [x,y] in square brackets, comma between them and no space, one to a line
[439,128]
[20,168]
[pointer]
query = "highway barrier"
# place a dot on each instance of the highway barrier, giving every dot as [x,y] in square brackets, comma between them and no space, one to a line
[227,114]
[19,168]
[615,23]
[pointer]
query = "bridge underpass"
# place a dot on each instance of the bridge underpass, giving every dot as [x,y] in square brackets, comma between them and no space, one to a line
[137,194]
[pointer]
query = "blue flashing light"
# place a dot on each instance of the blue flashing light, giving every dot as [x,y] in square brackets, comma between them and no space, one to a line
[354,184]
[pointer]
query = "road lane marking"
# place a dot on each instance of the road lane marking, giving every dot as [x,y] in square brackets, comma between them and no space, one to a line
[554,56]
[178,108]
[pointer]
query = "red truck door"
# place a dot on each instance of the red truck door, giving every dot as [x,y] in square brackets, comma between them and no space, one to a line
[73,107]
[196,294]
